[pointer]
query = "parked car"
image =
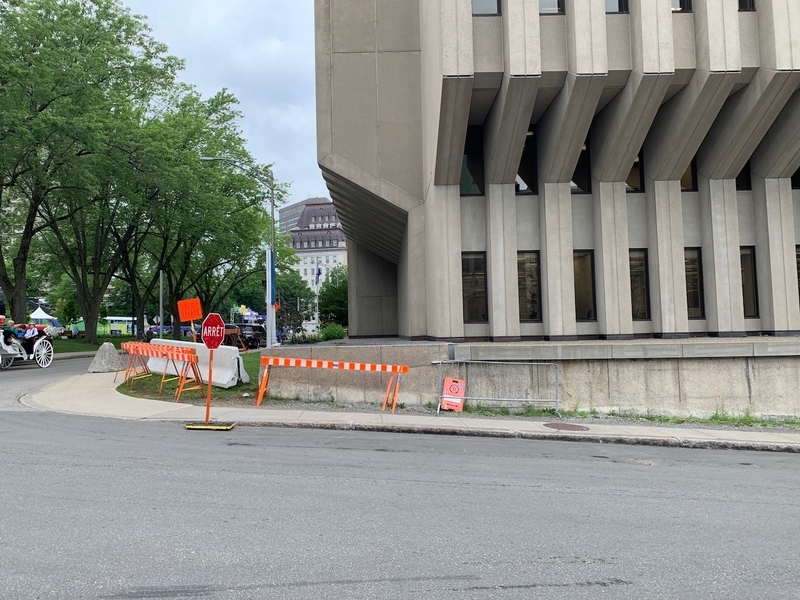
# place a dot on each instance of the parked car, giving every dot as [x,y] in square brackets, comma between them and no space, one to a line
[253,335]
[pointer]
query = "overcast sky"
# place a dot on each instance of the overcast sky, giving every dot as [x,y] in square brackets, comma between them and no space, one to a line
[263,52]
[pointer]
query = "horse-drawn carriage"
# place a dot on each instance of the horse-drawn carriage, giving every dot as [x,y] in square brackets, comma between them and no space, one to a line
[13,348]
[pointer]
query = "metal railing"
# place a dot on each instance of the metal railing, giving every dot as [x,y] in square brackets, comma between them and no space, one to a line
[498,387]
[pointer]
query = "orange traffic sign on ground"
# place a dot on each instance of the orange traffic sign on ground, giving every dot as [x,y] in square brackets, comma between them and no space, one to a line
[190,310]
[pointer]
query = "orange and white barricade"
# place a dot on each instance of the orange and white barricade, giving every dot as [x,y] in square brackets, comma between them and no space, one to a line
[306,363]
[136,366]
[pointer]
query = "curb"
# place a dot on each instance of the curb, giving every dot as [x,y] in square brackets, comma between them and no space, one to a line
[674,442]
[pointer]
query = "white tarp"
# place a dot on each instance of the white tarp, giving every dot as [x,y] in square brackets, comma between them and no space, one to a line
[40,314]
[228,365]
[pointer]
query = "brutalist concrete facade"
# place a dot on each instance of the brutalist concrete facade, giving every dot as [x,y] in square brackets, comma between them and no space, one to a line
[713,91]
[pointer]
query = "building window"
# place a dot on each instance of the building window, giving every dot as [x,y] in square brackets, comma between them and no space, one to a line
[796,180]
[749,291]
[305,244]
[312,260]
[583,263]
[485,7]
[582,177]
[693,261]
[336,243]
[681,5]
[640,285]
[551,7]
[327,259]
[747,5]
[635,180]
[327,243]
[305,260]
[528,173]
[473,286]
[334,259]
[305,271]
[689,179]
[616,6]
[528,277]
[743,178]
[472,164]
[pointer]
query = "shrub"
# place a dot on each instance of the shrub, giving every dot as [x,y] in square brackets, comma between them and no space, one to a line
[334,331]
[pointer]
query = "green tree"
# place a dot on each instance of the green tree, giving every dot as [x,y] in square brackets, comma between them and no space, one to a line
[68,71]
[293,292]
[333,296]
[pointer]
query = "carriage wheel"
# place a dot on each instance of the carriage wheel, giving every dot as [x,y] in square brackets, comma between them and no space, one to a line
[43,353]
[6,361]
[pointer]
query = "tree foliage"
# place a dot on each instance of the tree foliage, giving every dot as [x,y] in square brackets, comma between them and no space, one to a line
[333,297]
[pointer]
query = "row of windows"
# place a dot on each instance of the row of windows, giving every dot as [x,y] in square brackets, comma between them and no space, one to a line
[527,182]
[556,7]
[475,300]
[313,271]
[319,259]
[317,244]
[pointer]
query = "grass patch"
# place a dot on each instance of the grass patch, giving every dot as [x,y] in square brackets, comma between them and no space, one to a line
[79,344]
[147,387]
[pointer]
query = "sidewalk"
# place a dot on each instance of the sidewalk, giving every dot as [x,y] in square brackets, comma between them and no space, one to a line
[94,394]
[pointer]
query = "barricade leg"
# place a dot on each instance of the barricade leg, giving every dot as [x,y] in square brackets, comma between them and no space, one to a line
[388,392]
[262,388]
[396,392]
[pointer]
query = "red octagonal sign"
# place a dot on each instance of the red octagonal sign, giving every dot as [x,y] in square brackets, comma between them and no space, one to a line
[213,331]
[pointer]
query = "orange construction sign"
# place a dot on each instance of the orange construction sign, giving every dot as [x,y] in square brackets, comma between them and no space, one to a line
[190,310]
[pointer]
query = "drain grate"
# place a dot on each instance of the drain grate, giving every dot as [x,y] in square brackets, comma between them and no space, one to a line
[566,427]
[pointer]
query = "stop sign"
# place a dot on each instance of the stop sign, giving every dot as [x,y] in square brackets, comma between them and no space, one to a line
[213,331]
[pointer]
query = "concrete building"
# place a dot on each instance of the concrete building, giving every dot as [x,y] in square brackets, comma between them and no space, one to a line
[288,216]
[562,169]
[318,240]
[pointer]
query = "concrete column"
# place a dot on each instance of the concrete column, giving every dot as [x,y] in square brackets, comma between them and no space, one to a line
[771,166]
[558,276]
[612,261]
[719,217]
[666,259]
[779,305]
[445,317]
[501,259]
[411,279]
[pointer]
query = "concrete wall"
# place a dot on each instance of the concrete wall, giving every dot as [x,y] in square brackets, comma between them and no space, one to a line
[680,378]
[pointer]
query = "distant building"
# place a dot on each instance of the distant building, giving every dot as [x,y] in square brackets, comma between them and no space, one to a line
[318,239]
[288,216]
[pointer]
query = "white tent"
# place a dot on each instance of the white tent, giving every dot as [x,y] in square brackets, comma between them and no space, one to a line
[40,314]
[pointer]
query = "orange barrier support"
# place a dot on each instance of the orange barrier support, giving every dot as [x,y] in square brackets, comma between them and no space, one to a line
[135,366]
[306,363]
[190,364]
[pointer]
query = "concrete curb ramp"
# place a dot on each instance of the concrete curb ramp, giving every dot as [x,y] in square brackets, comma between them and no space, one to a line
[95,394]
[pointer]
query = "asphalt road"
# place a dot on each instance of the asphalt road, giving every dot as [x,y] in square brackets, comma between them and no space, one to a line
[95,508]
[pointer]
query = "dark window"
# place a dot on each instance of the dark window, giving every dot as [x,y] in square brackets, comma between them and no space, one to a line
[530,297]
[635,180]
[473,284]
[689,179]
[681,5]
[640,285]
[583,263]
[743,178]
[693,259]
[485,7]
[551,7]
[472,165]
[796,180]
[749,292]
[747,5]
[582,177]
[797,259]
[528,173]
[616,6]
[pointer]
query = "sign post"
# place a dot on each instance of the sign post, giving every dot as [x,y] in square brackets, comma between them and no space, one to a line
[213,332]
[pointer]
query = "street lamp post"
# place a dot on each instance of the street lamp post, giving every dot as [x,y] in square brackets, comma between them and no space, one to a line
[270,254]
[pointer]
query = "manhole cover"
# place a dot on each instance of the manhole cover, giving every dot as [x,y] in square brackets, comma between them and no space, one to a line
[566,427]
